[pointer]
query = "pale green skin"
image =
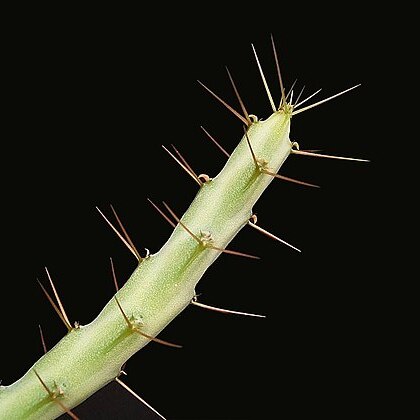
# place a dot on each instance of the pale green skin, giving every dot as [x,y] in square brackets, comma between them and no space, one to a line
[162,285]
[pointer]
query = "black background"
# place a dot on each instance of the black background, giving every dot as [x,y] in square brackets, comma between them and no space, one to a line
[94,95]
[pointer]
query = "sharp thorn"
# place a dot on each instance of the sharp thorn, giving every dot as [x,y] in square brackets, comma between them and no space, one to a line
[307,153]
[191,174]
[158,340]
[270,235]
[230,251]
[300,94]
[184,161]
[128,322]
[290,90]
[44,385]
[215,142]
[234,112]
[127,388]
[283,98]
[119,234]
[324,100]
[188,166]
[224,311]
[57,310]
[44,347]
[67,410]
[286,178]
[162,213]
[312,150]
[270,98]
[114,277]
[241,103]
[58,299]
[250,148]
[127,236]
[182,224]
[307,99]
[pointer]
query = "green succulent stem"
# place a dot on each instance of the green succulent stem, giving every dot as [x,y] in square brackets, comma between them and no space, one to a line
[163,284]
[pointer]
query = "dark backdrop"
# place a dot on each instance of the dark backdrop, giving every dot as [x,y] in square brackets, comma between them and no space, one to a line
[94,96]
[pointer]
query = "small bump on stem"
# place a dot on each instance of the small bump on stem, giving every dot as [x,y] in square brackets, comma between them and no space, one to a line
[204,178]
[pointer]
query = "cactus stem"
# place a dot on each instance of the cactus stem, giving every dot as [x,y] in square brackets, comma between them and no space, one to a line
[133,326]
[206,238]
[261,166]
[53,396]
[258,164]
